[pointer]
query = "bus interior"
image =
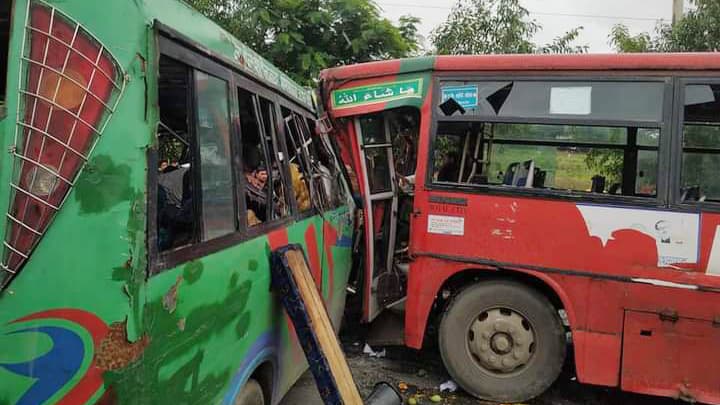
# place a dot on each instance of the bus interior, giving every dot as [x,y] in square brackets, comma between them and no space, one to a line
[389,156]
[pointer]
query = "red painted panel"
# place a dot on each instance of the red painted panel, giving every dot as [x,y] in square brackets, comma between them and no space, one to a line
[710,231]
[313,256]
[674,359]
[597,62]
[597,357]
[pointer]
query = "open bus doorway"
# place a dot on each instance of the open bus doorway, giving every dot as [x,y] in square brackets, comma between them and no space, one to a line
[388,157]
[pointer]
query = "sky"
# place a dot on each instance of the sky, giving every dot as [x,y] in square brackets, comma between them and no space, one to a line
[555,16]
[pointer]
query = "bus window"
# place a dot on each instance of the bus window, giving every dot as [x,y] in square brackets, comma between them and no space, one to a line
[280,204]
[298,159]
[213,131]
[701,143]
[5,9]
[606,160]
[175,210]
[626,101]
[254,160]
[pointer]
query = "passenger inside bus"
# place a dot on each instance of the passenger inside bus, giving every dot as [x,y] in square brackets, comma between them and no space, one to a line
[175,220]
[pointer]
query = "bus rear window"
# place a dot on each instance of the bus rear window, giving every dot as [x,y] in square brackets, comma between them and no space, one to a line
[5,9]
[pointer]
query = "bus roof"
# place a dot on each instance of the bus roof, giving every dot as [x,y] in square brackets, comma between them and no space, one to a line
[211,38]
[529,62]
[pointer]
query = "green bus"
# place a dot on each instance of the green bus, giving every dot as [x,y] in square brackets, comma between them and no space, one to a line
[154,162]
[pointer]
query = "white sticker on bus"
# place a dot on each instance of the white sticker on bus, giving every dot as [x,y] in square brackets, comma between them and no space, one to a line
[446,225]
[713,267]
[571,100]
[676,234]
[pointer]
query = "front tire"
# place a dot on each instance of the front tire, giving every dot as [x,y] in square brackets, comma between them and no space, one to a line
[502,341]
[251,394]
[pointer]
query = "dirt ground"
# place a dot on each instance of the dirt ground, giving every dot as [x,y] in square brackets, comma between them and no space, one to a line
[423,373]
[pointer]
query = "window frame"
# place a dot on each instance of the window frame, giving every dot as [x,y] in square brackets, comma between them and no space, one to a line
[678,150]
[172,44]
[293,108]
[259,91]
[663,148]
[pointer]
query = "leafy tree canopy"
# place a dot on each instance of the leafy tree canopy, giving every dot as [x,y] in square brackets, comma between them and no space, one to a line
[697,31]
[496,26]
[303,37]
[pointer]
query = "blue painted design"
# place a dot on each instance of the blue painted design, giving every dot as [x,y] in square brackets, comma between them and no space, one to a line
[344,241]
[52,370]
[264,348]
[466,96]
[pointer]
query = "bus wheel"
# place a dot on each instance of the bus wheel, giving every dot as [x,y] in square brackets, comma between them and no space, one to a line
[502,341]
[251,394]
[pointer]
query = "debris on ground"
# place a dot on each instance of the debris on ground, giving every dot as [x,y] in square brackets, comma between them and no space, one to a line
[449,386]
[372,353]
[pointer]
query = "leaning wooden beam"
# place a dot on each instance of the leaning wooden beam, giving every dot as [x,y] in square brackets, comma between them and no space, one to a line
[292,279]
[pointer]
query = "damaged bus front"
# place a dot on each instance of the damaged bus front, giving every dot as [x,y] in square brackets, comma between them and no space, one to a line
[154,162]
[515,204]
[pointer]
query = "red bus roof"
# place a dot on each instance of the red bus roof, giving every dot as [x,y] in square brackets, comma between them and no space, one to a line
[529,62]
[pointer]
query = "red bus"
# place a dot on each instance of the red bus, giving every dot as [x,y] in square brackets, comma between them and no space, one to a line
[519,210]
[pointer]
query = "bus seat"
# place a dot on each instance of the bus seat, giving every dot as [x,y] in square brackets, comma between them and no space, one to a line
[510,173]
[598,184]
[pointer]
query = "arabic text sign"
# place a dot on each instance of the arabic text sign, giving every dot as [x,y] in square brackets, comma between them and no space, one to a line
[380,93]
[466,96]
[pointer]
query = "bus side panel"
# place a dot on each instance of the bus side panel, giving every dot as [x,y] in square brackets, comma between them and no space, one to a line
[74,312]
[516,233]
[686,350]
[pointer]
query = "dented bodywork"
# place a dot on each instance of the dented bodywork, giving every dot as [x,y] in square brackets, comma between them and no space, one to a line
[641,301]
[86,321]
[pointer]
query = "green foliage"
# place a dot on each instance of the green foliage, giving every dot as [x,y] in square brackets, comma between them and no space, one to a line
[608,163]
[565,43]
[495,26]
[303,37]
[623,41]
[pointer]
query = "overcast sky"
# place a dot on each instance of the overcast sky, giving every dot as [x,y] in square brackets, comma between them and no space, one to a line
[555,16]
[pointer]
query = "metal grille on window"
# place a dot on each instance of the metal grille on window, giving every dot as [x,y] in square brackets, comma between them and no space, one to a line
[70,87]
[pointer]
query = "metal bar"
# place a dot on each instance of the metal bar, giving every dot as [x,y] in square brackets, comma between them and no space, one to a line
[47,169]
[35,103]
[7,269]
[34,197]
[63,43]
[80,110]
[24,225]
[63,109]
[49,120]
[70,148]
[17,252]
[70,79]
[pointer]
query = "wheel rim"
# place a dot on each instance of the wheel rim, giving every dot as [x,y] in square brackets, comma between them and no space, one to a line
[501,341]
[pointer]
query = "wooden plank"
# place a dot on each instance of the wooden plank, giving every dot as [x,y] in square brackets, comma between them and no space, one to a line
[301,298]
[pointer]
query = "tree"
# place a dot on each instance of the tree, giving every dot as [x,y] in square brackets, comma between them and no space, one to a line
[495,26]
[697,31]
[303,37]
[408,26]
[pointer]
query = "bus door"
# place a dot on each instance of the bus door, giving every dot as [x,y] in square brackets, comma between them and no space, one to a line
[379,209]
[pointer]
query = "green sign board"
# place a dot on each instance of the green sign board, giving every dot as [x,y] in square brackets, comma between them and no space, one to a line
[377,93]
